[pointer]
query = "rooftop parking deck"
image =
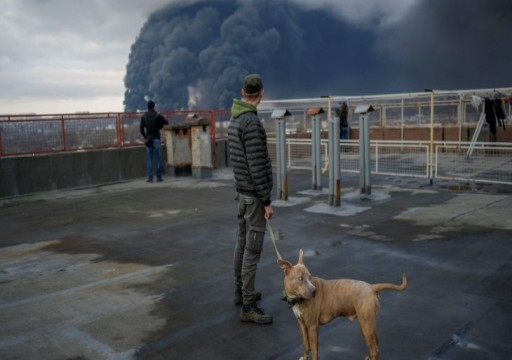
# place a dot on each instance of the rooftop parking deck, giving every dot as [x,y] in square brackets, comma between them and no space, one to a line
[143,271]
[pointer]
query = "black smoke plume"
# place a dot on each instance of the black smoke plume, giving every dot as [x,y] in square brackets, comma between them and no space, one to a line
[456,44]
[192,55]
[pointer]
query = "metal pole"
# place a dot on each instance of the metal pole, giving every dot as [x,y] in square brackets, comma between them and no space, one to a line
[431,137]
[459,117]
[402,122]
[336,161]
[318,154]
[284,175]
[367,180]
[315,153]
[364,158]
[362,167]
[332,139]
[331,161]
[278,158]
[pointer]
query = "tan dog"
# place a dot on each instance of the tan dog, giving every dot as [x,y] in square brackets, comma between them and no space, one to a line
[316,302]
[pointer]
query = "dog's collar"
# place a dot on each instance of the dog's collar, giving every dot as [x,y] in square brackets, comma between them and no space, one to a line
[292,300]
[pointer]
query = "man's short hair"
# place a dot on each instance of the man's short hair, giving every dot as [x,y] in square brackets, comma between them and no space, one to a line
[253,84]
[151,104]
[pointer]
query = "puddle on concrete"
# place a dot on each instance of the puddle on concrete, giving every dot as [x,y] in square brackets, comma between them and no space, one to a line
[343,210]
[292,201]
[466,187]
[463,210]
[163,213]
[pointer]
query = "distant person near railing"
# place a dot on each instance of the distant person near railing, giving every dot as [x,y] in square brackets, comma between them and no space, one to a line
[342,113]
[150,125]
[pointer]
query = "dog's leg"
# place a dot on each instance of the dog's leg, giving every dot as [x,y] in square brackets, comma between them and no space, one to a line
[368,328]
[313,339]
[305,339]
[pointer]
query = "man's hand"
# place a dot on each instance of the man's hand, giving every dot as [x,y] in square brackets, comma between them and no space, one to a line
[269,212]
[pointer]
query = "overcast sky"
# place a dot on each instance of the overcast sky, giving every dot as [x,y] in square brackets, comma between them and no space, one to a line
[60,56]
[67,55]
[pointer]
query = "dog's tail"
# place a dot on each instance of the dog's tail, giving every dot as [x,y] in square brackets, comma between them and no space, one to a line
[388,286]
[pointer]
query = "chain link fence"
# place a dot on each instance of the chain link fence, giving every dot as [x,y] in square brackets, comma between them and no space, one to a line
[429,135]
[489,162]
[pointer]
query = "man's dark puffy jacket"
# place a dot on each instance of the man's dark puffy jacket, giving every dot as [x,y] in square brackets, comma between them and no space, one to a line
[151,123]
[248,152]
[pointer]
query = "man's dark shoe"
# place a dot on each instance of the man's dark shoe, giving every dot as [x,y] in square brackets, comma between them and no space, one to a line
[149,180]
[238,300]
[252,313]
[159,179]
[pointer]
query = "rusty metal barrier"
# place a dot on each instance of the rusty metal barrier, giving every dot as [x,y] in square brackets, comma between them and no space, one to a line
[57,133]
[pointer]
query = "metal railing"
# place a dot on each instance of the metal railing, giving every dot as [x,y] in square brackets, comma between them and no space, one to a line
[413,134]
[489,162]
[56,133]
[41,134]
[449,115]
[430,134]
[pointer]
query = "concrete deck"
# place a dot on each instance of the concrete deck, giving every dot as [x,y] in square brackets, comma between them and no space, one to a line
[143,271]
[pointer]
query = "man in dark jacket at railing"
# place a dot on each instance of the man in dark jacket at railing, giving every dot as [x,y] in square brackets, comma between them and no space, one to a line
[150,125]
[253,180]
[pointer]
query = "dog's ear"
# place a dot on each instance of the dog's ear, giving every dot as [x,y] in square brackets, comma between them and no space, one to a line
[285,265]
[301,257]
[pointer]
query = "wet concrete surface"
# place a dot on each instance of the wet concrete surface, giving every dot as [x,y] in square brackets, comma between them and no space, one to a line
[143,271]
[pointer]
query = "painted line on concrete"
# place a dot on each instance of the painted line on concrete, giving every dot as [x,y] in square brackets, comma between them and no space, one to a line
[87,340]
[92,344]
[72,291]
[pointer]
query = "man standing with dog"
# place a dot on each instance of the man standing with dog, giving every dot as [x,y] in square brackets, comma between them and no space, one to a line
[253,180]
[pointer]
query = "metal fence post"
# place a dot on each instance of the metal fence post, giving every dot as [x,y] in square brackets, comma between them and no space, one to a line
[63,133]
[279,150]
[317,184]
[365,187]
[334,159]
[316,154]
[431,147]
[334,156]
[282,177]
[314,151]
[120,131]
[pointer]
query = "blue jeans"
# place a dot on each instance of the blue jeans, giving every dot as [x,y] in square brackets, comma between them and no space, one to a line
[344,133]
[155,149]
